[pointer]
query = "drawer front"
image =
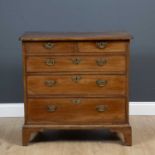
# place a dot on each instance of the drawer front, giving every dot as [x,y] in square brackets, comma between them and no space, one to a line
[103,46]
[76,84]
[48,47]
[76,63]
[76,110]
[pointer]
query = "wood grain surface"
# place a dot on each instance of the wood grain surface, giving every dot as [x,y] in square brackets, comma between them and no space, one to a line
[70,63]
[92,67]
[87,84]
[85,112]
[41,36]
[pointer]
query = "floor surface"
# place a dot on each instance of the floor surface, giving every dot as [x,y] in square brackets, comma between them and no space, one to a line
[93,142]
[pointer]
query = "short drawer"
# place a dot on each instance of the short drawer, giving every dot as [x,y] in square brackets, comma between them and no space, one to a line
[76,84]
[76,63]
[76,110]
[48,47]
[103,46]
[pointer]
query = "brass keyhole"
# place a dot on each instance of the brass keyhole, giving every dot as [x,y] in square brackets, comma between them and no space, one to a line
[76,78]
[51,108]
[50,62]
[76,61]
[101,61]
[76,101]
[101,108]
[50,83]
[48,45]
[101,83]
[101,44]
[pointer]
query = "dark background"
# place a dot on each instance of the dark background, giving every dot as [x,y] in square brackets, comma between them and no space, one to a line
[134,16]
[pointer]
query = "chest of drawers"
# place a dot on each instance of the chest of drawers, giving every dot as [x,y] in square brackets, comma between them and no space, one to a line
[76,81]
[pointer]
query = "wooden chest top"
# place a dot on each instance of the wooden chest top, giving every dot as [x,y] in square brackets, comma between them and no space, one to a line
[40,36]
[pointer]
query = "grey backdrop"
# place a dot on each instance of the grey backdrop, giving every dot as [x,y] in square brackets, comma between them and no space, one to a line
[135,16]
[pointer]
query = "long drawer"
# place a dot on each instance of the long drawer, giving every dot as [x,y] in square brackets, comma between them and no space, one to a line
[76,63]
[76,110]
[76,84]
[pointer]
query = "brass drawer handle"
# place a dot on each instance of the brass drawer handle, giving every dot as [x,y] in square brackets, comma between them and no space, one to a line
[76,78]
[101,61]
[76,61]
[101,108]
[50,62]
[101,83]
[101,44]
[51,108]
[49,45]
[76,101]
[50,83]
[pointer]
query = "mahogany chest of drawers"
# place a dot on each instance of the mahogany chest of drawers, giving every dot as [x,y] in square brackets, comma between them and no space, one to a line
[76,81]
